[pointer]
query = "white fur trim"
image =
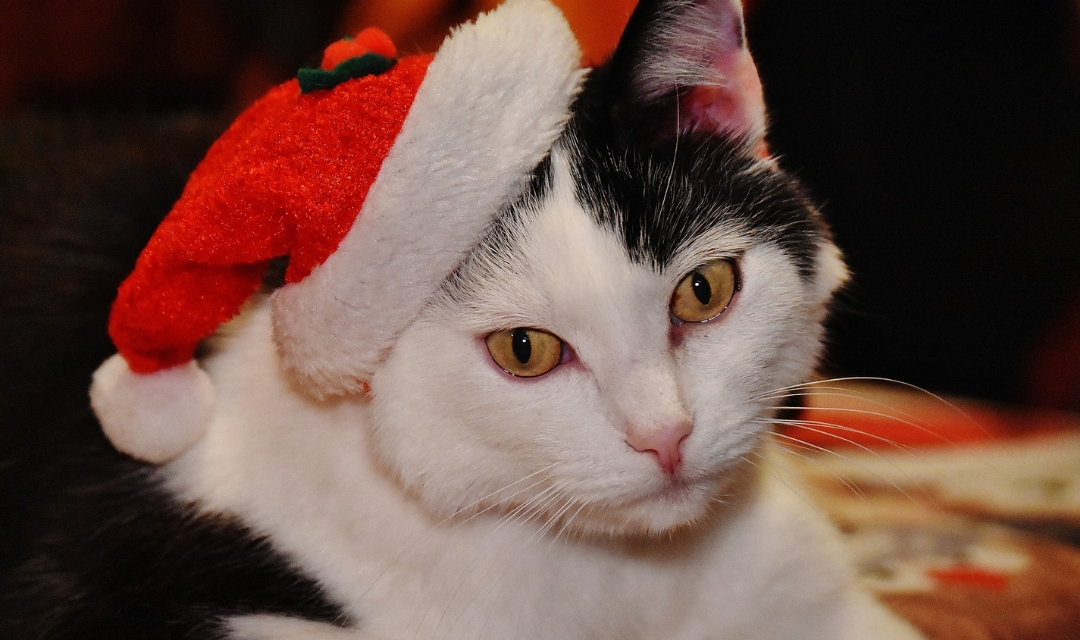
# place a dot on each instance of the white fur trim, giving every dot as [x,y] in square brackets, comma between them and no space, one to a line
[152,416]
[494,100]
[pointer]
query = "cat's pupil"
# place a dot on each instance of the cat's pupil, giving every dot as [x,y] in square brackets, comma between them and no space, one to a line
[702,290]
[519,341]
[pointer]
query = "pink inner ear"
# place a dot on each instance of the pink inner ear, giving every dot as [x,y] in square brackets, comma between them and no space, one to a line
[730,102]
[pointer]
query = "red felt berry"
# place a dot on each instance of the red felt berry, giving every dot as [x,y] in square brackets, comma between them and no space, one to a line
[376,41]
[339,52]
[370,40]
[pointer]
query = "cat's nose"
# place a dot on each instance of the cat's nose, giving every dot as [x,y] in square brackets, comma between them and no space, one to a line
[664,442]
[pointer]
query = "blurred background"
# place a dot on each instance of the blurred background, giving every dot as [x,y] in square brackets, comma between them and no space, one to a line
[941,137]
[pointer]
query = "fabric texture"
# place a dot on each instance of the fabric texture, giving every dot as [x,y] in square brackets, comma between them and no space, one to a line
[287,178]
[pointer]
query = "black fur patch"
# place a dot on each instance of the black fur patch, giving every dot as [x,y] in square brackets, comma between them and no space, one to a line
[659,184]
[502,234]
[90,546]
[660,198]
[95,549]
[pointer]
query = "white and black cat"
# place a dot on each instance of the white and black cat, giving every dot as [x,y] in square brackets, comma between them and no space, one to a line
[560,445]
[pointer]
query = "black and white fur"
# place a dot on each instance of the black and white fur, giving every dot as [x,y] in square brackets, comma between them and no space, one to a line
[455,501]
[91,547]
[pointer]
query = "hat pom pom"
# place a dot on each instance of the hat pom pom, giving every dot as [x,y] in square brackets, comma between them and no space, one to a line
[152,416]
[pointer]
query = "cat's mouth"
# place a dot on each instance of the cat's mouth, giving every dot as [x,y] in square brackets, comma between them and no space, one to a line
[675,489]
[683,500]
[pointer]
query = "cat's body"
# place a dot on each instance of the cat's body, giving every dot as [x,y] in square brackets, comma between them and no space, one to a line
[616,494]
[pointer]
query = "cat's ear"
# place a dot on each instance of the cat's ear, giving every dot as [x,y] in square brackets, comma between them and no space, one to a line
[683,65]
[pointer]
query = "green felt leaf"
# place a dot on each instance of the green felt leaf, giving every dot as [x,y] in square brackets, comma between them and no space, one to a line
[369,64]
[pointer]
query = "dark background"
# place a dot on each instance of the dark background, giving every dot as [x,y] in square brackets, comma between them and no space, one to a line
[942,139]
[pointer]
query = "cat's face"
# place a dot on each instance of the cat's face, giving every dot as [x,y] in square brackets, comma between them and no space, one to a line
[610,353]
[582,445]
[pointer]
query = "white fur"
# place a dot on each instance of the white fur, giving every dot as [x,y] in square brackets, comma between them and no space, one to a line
[462,503]
[494,99]
[152,416]
[832,274]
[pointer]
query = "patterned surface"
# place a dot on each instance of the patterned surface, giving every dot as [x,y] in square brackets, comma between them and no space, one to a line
[963,517]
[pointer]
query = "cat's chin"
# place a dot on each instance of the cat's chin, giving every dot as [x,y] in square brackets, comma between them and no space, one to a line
[679,506]
[676,507]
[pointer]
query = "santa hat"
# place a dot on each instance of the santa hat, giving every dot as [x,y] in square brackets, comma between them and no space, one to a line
[373,175]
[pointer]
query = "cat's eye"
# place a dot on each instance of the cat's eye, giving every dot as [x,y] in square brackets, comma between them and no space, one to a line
[526,353]
[705,292]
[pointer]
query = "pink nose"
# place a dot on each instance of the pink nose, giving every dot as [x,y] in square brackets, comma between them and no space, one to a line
[663,441]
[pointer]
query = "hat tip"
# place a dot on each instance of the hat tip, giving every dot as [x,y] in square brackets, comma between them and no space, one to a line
[156,416]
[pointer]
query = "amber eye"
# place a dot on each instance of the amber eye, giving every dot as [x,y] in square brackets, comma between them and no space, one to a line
[705,292]
[525,352]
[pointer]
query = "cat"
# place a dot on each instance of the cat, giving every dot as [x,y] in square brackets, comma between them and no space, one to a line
[561,443]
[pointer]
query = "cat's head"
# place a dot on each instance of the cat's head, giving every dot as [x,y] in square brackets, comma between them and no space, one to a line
[575,306]
[608,354]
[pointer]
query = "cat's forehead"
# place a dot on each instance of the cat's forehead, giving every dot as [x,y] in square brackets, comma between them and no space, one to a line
[578,217]
[549,263]
[669,210]
[592,221]
[691,192]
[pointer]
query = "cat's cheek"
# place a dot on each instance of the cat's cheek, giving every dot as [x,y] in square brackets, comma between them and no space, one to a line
[417,426]
[733,367]
[455,429]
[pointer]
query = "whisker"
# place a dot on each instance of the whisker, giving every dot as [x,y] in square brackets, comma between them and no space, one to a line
[492,506]
[888,381]
[553,519]
[481,499]
[556,493]
[524,506]
[851,461]
[800,422]
[397,559]
[487,564]
[877,414]
[835,392]
[774,470]
[818,449]
[823,381]
[914,452]
[565,528]
[675,155]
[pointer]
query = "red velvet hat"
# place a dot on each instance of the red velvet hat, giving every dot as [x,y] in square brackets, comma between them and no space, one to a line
[288,178]
[338,170]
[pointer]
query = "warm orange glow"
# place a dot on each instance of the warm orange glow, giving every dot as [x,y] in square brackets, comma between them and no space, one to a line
[422,24]
[597,25]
